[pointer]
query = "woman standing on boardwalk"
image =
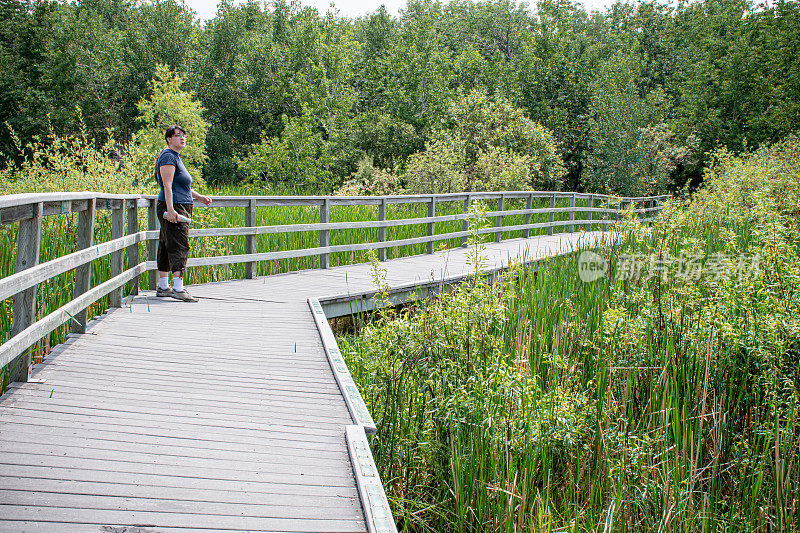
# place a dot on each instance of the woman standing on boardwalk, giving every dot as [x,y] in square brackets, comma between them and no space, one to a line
[175,198]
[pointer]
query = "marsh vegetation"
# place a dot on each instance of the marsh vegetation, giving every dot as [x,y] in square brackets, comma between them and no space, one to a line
[662,401]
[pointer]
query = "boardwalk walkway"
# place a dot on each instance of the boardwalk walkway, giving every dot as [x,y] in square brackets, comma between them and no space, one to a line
[218,416]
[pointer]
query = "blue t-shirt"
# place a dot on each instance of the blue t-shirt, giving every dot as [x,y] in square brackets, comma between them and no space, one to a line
[181,180]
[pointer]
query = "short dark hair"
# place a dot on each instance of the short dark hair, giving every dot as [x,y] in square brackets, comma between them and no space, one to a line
[171,131]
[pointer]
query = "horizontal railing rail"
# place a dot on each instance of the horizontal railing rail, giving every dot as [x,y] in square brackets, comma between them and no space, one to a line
[29,210]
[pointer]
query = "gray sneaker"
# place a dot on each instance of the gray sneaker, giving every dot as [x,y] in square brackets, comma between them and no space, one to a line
[183,296]
[163,293]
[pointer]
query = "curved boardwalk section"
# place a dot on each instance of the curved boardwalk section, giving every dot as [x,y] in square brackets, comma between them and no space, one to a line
[218,416]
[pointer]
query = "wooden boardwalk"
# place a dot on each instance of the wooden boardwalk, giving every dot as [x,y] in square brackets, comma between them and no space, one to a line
[218,416]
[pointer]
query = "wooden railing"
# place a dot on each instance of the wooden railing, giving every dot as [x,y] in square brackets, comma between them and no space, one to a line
[597,211]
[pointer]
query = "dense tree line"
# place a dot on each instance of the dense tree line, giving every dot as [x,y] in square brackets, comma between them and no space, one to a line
[633,98]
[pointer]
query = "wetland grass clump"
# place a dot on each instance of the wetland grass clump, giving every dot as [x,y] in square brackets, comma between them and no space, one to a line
[662,401]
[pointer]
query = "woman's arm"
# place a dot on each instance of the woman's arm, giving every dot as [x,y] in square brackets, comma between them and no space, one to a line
[197,196]
[167,174]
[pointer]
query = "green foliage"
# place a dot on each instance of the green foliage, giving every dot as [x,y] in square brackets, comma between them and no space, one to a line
[370,181]
[385,86]
[658,401]
[619,113]
[299,158]
[439,168]
[486,144]
[69,162]
[170,104]
[659,153]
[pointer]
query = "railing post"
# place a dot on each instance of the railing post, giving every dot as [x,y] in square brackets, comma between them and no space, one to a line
[589,206]
[83,273]
[431,225]
[152,245]
[498,221]
[250,240]
[572,213]
[29,238]
[133,250]
[382,210]
[528,205]
[550,215]
[324,234]
[117,230]
[467,202]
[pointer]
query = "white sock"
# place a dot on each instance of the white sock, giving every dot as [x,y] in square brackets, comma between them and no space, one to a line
[177,283]
[163,283]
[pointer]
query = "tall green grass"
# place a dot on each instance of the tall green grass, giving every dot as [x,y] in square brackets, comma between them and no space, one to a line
[543,402]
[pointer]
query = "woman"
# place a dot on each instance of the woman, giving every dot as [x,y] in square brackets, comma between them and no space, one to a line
[176,197]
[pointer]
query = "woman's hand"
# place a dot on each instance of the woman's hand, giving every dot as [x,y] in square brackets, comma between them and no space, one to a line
[205,199]
[170,215]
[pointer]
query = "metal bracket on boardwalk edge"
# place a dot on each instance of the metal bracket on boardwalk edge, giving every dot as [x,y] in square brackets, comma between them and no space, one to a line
[377,513]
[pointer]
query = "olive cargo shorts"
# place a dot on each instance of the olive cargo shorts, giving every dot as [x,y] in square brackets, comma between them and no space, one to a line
[173,240]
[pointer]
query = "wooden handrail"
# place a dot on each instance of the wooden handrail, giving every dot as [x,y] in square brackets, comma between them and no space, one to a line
[30,209]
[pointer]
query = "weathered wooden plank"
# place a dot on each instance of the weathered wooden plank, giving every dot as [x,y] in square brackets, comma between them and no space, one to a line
[117,229]
[222,393]
[528,207]
[325,415]
[188,494]
[160,480]
[190,469]
[250,220]
[324,235]
[377,513]
[187,520]
[138,366]
[133,249]
[300,362]
[498,233]
[123,357]
[355,404]
[33,453]
[178,447]
[286,450]
[83,273]
[152,245]
[275,429]
[296,509]
[572,213]
[10,200]
[36,331]
[382,211]
[290,447]
[253,400]
[272,387]
[29,236]
[276,438]
[277,416]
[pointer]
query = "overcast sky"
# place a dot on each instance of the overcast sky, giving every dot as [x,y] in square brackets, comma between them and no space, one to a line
[206,9]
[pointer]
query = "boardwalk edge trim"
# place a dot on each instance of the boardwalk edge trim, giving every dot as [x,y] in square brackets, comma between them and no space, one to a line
[377,513]
[355,403]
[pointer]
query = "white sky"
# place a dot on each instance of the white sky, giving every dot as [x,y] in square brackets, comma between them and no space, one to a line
[206,9]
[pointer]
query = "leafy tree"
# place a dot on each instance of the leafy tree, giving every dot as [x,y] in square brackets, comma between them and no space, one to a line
[659,153]
[619,113]
[439,168]
[299,158]
[170,104]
